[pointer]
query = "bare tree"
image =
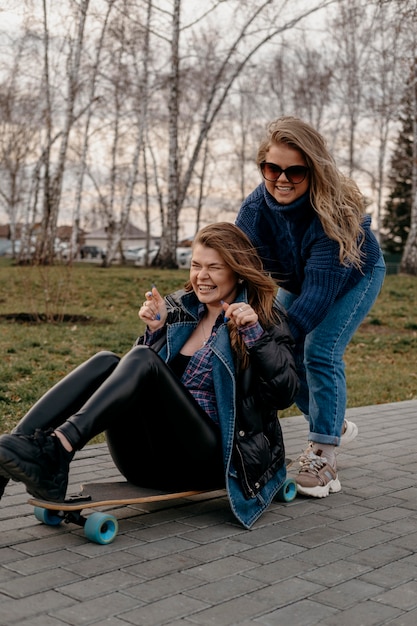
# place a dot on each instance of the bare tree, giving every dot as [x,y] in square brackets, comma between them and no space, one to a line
[17,146]
[253,33]
[86,132]
[382,93]
[352,30]
[53,165]
[160,104]
[141,77]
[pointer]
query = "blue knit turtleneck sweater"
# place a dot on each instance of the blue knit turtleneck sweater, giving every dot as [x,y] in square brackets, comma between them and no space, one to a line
[300,256]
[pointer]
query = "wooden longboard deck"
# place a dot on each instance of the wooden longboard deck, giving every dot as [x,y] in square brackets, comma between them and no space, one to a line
[108,494]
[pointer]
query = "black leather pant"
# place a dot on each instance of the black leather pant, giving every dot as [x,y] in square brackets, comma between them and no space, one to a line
[157,434]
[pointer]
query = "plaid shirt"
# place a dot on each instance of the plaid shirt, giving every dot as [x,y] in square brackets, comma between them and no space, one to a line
[197,377]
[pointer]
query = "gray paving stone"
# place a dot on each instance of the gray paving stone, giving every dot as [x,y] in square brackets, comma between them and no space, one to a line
[90,550]
[53,543]
[367,613]
[326,554]
[90,611]
[163,611]
[224,589]
[347,559]
[392,575]
[380,555]
[218,550]
[356,524]
[405,619]
[408,541]
[216,533]
[161,566]
[43,620]
[37,583]
[286,591]
[279,569]
[158,588]
[101,564]
[335,573]
[169,545]
[390,514]
[29,565]
[32,606]
[97,586]
[229,613]
[274,551]
[366,538]
[221,568]
[349,510]
[303,613]
[403,597]
[316,537]
[161,531]
[348,594]
[301,523]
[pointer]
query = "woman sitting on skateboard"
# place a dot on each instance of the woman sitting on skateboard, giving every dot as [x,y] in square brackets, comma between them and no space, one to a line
[193,405]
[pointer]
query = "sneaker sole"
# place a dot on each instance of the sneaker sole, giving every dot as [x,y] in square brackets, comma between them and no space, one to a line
[320,491]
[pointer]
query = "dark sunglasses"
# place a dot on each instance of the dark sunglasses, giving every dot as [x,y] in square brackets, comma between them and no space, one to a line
[295,174]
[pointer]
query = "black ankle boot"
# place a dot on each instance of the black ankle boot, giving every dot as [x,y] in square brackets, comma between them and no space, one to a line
[39,461]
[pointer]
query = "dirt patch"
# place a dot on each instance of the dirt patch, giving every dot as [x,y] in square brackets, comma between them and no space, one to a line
[384,329]
[42,318]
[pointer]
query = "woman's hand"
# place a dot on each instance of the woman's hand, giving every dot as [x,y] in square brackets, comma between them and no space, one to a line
[153,311]
[240,313]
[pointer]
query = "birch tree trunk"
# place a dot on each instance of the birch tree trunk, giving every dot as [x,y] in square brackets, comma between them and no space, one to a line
[167,253]
[142,78]
[85,147]
[52,182]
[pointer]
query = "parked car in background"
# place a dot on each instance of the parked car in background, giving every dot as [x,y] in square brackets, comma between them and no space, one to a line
[131,254]
[141,256]
[184,257]
[5,246]
[92,252]
[62,249]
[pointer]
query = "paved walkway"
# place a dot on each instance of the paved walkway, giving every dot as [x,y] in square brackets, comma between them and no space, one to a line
[346,560]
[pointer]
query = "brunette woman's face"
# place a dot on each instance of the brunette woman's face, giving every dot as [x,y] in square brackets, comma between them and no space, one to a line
[211,279]
[282,189]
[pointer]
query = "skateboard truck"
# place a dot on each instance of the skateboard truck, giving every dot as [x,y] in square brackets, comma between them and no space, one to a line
[77,497]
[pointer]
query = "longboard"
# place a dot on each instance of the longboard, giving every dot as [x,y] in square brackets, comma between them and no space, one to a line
[102,527]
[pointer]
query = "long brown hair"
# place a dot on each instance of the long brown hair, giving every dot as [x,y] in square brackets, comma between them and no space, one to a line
[335,198]
[239,254]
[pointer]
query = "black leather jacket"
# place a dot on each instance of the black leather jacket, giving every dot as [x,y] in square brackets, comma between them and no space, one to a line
[268,384]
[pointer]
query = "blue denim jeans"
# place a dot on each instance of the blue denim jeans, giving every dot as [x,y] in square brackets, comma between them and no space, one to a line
[319,358]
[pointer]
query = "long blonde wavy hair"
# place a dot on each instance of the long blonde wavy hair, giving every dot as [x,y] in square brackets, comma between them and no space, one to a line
[335,197]
[241,257]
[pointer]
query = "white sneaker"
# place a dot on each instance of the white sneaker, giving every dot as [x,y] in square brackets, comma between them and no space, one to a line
[350,432]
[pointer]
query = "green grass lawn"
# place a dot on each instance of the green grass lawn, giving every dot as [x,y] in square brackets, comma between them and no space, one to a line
[99,308]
